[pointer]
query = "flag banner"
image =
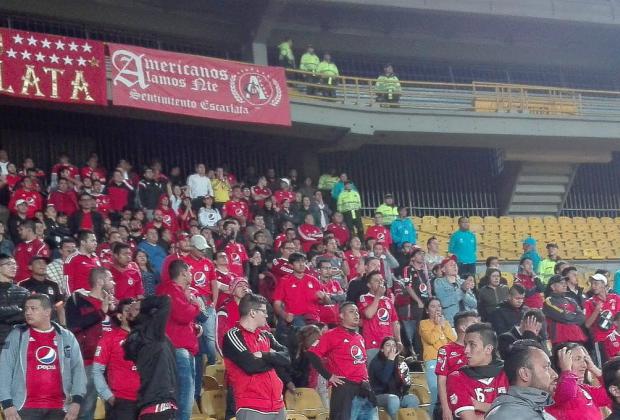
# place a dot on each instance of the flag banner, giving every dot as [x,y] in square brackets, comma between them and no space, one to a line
[198,86]
[52,68]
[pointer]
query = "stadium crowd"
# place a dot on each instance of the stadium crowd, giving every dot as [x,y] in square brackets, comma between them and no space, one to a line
[122,286]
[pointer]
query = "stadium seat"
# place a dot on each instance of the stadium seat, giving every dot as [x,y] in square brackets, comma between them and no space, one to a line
[305,401]
[295,416]
[99,410]
[383,415]
[209,383]
[422,392]
[214,403]
[413,414]
[216,371]
[509,277]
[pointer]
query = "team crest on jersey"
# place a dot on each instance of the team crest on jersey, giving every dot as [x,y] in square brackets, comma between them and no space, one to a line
[310,285]
[235,257]
[454,399]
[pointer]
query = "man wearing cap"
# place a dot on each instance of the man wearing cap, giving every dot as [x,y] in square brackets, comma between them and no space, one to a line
[39,283]
[26,195]
[228,314]
[451,290]
[564,316]
[600,310]
[546,268]
[284,193]
[529,251]
[16,219]
[388,210]
[30,247]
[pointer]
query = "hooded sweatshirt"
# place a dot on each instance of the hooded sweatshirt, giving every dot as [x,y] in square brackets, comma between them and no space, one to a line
[521,403]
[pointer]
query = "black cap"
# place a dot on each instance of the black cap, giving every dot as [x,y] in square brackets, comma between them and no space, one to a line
[555,279]
[552,245]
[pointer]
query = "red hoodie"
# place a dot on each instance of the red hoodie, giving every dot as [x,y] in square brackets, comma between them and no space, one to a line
[180,326]
[65,202]
[119,195]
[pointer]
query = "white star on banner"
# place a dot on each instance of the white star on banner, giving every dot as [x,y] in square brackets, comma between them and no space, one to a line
[11,53]
[73,46]
[32,41]
[40,57]
[60,45]
[81,61]
[86,47]
[45,43]
[68,61]
[25,55]
[18,39]
[54,58]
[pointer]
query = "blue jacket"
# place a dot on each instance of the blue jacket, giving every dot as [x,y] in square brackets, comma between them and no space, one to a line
[156,254]
[402,230]
[463,245]
[536,259]
[452,297]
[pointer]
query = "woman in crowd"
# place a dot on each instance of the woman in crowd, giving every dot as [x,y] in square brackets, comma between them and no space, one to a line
[150,279]
[389,379]
[492,294]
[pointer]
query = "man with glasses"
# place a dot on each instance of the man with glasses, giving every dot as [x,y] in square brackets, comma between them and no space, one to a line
[280,266]
[251,356]
[12,297]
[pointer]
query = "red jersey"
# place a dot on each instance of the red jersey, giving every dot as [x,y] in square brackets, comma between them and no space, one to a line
[203,273]
[450,358]
[104,253]
[224,278]
[24,252]
[612,344]
[164,274]
[533,298]
[345,352]
[261,191]
[122,375]
[227,317]
[43,375]
[281,195]
[33,199]
[340,231]
[102,204]
[237,257]
[310,235]
[381,234]
[77,269]
[281,268]
[278,241]
[128,281]
[578,401]
[328,314]
[170,219]
[610,307]
[380,325]
[97,173]
[59,167]
[461,389]
[237,209]
[12,180]
[65,202]
[352,261]
[299,295]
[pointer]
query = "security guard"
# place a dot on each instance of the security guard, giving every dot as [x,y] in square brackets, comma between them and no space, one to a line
[286,58]
[329,75]
[388,86]
[309,63]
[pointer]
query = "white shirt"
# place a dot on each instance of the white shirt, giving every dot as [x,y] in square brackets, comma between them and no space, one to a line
[199,186]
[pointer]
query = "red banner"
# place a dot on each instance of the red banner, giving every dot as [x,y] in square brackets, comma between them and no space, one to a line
[198,86]
[52,68]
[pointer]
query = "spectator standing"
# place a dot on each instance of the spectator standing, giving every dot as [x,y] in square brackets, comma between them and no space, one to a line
[39,283]
[116,378]
[30,247]
[12,297]
[309,233]
[389,211]
[546,268]
[251,356]
[529,328]
[150,279]
[86,218]
[260,192]
[339,186]
[148,346]
[463,244]
[328,72]
[435,332]
[286,58]
[309,63]
[208,215]
[236,208]
[327,181]
[509,312]
[28,195]
[531,283]
[379,232]
[17,217]
[341,232]
[572,283]
[452,291]
[78,265]
[411,295]
[532,383]
[345,369]
[600,310]
[402,229]
[389,379]
[388,86]
[149,192]
[150,245]
[530,251]
[86,311]
[126,273]
[359,285]
[565,317]
[199,185]
[491,295]
[221,188]
[55,269]
[181,329]
[321,212]
[432,257]
[64,198]
[41,369]
[120,191]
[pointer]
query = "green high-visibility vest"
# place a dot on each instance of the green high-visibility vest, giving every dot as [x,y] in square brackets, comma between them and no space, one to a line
[387,84]
[309,62]
[286,51]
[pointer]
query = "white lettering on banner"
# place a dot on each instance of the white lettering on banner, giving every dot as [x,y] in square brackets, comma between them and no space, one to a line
[128,64]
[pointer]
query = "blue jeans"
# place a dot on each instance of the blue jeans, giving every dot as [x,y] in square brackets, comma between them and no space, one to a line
[431,380]
[410,326]
[392,403]
[185,383]
[207,340]
[87,408]
[362,409]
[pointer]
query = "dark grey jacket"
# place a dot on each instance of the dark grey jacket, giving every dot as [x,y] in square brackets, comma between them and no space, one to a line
[521,403]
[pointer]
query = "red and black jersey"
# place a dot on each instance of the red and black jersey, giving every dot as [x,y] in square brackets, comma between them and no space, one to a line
[77,268]
[463,388]
[345,353]
[450,358]
[25,252]
[122,375]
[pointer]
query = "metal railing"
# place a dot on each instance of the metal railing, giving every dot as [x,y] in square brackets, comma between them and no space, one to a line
[478,97]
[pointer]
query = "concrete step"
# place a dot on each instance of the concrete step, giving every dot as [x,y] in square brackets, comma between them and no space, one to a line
[546,168]
[537,209]
[537,198]
[543,179]
[540,189]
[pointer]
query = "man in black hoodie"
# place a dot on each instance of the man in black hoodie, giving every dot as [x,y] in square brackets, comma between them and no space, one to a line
[149,192]
[151,350]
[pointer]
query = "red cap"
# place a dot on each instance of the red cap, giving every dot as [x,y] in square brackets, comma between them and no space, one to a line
[182,236]
[448,259]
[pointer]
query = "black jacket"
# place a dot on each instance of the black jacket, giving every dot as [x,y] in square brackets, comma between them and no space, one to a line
[506,339]
[12,298]
[151,350]
[389,376]
[505,317]
[149,192]
[85,321]
[75,221]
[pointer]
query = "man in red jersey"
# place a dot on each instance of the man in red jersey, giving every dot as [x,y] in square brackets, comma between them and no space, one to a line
[472,389]
[339,229]
[228,315]
[77,267]
[92,169]
[116,379]
[280,266]
[102,201]
[236,253]
[223,278]
[344,350]
[30,247]
[251,355]
[64,198]
[379,314]
[41,370]
[329,312]
[600,310]
[451,358]
[379,232]
[181,330]
[182,249]
[532,284]
[126,273]
[309,234]
[236,207]
[26,194]
[298,296]
[284,193]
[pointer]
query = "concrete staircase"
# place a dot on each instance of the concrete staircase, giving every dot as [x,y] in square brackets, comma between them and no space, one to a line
[541,188]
